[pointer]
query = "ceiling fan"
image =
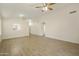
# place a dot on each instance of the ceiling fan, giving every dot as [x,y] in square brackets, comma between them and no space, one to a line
[46,6]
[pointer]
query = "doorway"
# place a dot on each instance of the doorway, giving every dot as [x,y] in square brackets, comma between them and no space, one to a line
[43,28]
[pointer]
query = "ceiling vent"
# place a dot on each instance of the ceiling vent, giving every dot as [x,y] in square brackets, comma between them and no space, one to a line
[72,12]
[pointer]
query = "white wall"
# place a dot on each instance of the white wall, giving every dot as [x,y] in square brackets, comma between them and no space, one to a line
[0,29]
[60,24]
[36,28]
[0,26]
[8,31]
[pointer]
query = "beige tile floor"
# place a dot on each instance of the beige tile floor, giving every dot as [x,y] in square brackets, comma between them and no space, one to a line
[37,46]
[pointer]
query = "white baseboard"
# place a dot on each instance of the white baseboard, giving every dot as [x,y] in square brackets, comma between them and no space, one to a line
[62,39]
[37,34]
[58,38]
[14,37]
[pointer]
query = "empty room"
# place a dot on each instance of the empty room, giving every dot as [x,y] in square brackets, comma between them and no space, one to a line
[39,29]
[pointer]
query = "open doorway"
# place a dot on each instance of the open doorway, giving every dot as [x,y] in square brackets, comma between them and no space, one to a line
[43,28]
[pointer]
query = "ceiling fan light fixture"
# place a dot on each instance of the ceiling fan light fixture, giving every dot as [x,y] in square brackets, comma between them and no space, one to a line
[45,8]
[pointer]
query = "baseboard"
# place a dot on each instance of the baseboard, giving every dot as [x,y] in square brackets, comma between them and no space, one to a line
[57,38]
[14,37]
[37,34]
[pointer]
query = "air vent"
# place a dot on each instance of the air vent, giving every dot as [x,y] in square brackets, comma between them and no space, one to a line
[73,12]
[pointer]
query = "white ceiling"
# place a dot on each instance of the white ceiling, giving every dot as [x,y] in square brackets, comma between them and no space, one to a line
[12,10]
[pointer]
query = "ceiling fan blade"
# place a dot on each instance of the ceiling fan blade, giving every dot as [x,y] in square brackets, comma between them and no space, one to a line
[51,3]
[39,7]
[50,8]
